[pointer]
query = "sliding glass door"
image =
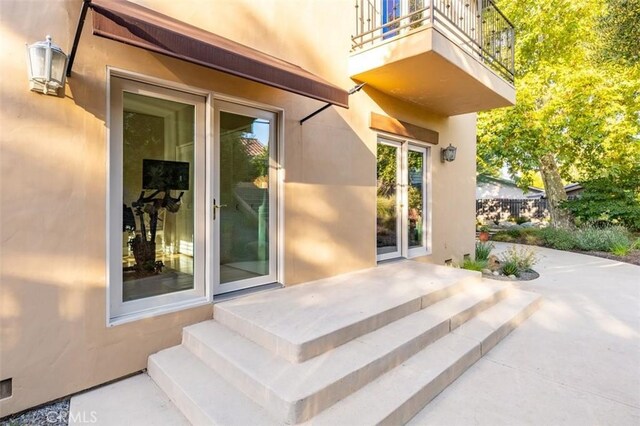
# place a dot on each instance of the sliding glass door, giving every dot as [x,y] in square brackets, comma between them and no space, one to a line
[402,202]
[189,215]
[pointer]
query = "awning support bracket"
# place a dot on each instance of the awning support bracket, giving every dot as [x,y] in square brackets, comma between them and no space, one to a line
[351,92]
[76,38]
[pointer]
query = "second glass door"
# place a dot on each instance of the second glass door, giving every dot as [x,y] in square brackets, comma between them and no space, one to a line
[244,197]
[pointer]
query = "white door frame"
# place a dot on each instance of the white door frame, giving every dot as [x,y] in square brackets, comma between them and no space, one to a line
[214,171]
[117,310]
[402,200]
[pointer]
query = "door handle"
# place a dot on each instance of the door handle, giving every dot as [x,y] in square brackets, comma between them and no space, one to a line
[216,207]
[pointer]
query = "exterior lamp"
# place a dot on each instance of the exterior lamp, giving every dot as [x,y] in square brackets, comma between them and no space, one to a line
[46,64]
[448,153]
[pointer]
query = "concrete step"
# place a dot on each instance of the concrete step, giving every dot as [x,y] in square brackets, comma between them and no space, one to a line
[202,396]
[294,392]
[136,400]
[300,322]
[398,395]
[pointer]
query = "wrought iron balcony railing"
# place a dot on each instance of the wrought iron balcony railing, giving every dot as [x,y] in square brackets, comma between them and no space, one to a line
[477,26]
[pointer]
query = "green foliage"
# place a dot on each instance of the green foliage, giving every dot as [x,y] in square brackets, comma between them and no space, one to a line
[577,113]
[483,250]
[514,232]
[524,258]
[415,198]
[474,265]
[521,219]
[386,207]
[621,249]
[620,31]
[558,238]
[387,164]
[592,238]
[510,267]
[612,200]
[502,236]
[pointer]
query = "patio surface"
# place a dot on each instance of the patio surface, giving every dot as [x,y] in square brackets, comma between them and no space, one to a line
[576,361]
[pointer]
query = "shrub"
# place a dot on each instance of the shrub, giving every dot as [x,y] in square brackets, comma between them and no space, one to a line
[521,219]
[474,265]
[532,239]
[514,232]
[620,249]
[558,238]
[503,237]
[483,250]
[386,208]
[510,268]
[593,238]
[524,258]
[611,200]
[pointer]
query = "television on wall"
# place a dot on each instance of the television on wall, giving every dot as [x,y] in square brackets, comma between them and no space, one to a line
[165,175]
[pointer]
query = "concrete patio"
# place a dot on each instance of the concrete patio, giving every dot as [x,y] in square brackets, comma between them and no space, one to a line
[576,361]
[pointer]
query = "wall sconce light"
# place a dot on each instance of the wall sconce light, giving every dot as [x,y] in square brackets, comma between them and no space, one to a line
[46,64]
[448,153]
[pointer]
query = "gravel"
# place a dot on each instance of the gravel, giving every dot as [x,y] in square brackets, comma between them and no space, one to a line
[524,276]
[55,414]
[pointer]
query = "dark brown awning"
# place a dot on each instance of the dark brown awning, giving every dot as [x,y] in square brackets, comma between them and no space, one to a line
[141,27]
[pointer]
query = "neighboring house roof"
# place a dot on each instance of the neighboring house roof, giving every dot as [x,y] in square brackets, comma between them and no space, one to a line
[493,187]
[572,187]
[252,146]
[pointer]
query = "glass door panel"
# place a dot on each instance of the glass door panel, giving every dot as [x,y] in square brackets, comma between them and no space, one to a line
[388,201]
[416,186]
[245,202]
[158,224]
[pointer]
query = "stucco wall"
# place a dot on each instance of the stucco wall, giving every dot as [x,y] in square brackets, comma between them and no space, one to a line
[53,156]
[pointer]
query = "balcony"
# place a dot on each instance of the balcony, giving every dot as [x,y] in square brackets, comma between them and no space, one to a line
[449,56]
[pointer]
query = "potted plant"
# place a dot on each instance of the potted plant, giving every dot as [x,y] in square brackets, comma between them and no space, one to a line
[483,233]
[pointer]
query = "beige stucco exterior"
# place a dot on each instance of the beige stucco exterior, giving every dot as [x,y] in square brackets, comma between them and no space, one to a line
[53,181]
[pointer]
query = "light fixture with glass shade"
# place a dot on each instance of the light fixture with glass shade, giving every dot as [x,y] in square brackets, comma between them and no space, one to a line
[46,63]
[448,154]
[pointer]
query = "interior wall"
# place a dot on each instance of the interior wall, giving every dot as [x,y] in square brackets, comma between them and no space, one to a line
[53,164]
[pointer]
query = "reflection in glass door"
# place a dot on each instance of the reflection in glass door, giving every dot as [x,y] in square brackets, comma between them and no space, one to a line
[388,202]
[244,200]
[416,222]
[402,227]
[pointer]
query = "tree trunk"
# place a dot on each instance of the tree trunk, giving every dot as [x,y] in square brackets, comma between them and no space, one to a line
[560,218]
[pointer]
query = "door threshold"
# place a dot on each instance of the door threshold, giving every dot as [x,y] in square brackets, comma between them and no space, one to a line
[394,260]
[245,292]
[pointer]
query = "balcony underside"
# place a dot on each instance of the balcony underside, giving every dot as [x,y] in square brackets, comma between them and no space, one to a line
[426,68]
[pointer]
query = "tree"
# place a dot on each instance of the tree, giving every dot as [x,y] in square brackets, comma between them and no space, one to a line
[621,32]
[576,117]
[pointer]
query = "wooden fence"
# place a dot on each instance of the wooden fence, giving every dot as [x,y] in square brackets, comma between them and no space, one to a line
[497,209]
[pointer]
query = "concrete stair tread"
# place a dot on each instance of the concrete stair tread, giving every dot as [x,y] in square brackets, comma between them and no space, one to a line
[398,395]
[201,394]
[303,321]
[296,391]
